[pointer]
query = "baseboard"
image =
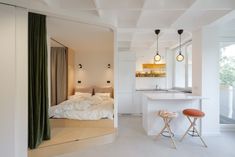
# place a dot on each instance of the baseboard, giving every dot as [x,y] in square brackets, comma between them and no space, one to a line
[216,133]
[130,114]
[227,127]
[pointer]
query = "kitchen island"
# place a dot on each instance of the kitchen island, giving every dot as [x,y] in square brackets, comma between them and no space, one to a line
[175,102]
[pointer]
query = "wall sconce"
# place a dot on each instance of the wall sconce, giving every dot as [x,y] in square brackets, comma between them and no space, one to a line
[79,81]
[109,66]
[108,81]
[80,66]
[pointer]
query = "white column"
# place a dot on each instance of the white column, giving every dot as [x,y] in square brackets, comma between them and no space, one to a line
[21,100]
[7,80]
[13,81]
[206,76]
[115,78]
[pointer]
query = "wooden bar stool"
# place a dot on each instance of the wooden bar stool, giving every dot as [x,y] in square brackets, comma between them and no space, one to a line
[167,117]
[193,115]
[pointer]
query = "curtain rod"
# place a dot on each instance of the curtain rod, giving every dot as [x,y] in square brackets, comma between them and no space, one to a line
[12,5]
[59,42]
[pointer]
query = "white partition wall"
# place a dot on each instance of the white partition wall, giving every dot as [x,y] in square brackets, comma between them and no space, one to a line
[205,76]
[7,80]
[126,85]
[13,81]
[116,67]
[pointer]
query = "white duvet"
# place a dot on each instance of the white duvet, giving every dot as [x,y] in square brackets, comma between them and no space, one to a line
[84,108]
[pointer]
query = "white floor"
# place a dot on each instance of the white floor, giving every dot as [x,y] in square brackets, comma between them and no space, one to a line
[133,142]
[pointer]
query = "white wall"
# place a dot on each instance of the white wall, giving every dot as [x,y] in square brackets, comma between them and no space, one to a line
[206,76]
[126,82]
[13,81]
[7,80]
[169,68]
[116,81]
[151,82]
[95,58]
[147,57]
[21,102]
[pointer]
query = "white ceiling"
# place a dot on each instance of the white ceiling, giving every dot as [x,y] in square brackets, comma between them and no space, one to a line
[136,20]
[79,36]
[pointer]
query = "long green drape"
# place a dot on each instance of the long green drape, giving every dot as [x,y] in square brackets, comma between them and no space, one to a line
[38,119]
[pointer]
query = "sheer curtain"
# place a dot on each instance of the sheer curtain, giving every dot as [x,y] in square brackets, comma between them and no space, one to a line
[59,73]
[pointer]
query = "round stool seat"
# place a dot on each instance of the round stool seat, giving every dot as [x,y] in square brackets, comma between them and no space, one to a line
[167,114]
[193,113]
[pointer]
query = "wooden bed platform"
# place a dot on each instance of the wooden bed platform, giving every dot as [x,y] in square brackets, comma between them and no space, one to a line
[104,123]
[71,135]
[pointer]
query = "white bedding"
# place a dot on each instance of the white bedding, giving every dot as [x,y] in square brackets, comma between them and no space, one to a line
[82,107]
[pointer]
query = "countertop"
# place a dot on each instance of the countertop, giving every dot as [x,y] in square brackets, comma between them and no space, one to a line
[172,96]
[164,90]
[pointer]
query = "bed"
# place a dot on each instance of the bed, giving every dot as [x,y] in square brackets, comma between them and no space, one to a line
[85,106]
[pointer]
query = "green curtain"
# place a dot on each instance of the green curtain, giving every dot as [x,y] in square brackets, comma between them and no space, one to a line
[38,119]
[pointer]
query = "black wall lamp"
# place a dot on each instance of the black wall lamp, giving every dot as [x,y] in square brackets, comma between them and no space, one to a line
[109,66]
[80,66]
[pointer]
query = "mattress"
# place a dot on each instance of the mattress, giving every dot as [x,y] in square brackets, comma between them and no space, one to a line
[84,108]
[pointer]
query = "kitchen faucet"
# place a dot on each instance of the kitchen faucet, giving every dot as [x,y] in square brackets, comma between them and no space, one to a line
[157,87]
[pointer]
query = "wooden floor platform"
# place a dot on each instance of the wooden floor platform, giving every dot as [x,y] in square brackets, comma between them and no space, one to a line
[71,135]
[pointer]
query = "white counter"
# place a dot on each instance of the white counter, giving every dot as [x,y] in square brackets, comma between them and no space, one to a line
[176,102]
[171,96]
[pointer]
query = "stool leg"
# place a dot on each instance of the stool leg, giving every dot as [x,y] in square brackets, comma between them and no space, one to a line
[191,125]
[164,119]
[172,140]
[195,129]
[200,136]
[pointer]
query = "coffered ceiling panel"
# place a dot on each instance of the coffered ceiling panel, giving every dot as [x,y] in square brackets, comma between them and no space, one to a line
[136,20]
[196,19]
[158,19]
[75,4]
[122,4]
[127,18]
[168,4]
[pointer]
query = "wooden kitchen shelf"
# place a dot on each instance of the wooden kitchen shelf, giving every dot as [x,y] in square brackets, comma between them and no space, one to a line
[152,70]
[141,74]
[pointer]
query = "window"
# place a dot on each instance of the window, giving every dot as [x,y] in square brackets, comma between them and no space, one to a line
[227,83]
[183,70]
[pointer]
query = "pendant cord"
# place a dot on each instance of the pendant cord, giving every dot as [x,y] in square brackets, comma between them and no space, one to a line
[180,43]
[157,43]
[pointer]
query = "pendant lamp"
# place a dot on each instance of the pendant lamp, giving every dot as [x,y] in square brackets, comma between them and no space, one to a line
[180,57]
[157,57]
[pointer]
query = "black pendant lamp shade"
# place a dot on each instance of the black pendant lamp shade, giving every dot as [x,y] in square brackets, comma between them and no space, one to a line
[180,57]
[157,57]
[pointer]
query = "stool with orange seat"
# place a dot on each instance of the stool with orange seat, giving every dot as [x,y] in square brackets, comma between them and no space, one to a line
[193,115]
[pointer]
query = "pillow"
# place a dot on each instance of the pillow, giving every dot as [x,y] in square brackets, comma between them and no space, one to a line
[104,90]
[83,94]
[103,95]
